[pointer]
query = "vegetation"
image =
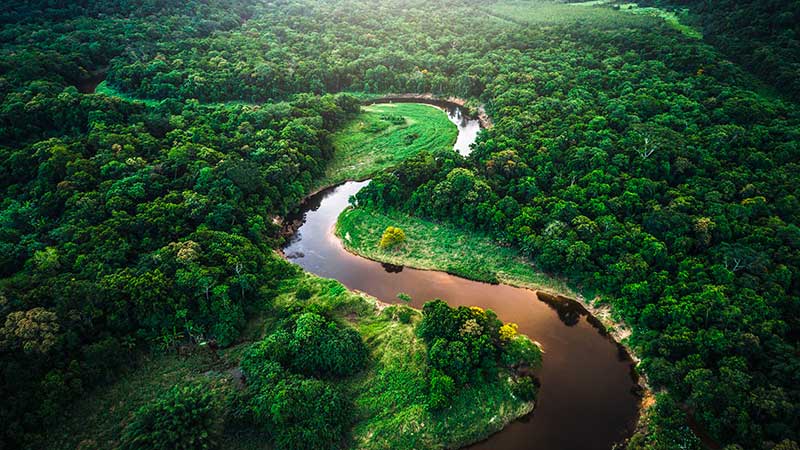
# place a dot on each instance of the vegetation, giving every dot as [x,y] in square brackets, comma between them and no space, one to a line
[382,135]
[391,238]
[627,156]
[441,246]
[763,36]
[185,418]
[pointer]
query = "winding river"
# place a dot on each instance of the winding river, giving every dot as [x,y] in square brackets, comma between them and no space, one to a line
[587,398]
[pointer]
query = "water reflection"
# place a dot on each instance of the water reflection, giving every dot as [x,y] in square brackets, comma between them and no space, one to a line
[391,268]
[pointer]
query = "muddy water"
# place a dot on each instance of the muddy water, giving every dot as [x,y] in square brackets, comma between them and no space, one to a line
[587,397]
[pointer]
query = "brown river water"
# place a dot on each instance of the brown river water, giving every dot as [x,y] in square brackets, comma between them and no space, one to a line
[587,399]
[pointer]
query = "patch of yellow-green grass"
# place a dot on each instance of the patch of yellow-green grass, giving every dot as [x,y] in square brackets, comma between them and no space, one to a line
[383,135]
[672,18]
[106,89]
[675,19]
[436,246]
[544,13]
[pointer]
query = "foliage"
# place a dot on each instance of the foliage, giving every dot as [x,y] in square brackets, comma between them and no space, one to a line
[465,346]
[295,410]
[508,331]
[392,237]
[763,36]
[524,388]
[184,418]
[633,159]
[35,330]
[322,348]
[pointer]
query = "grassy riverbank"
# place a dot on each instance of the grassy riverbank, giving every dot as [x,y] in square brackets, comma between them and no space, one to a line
[390,395]
[382,135]
[436,246]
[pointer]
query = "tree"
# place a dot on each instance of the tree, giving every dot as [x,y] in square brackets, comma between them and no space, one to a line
[392,237]
[184,418]
[35,331]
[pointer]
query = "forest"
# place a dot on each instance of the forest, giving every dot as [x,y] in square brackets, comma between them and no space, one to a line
[148,150]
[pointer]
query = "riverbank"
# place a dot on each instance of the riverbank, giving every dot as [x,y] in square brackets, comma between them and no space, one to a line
[471,255]
[382,135]
[472,108]
[391,395]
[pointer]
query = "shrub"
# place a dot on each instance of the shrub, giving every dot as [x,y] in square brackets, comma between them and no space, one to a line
[185,418]
[508,331]
[524,388]
[520,351]
[452,358]
[404,314]
[301,413]
[322,348]
[392,237]
[441,390]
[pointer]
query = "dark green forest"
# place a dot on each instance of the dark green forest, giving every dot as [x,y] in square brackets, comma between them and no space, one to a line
[653,169]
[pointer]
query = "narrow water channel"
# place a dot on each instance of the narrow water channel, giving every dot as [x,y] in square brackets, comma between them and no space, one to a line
[587,398]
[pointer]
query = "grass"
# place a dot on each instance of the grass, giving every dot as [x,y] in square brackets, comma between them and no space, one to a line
[389,395]
[106,89]
[436,246]
[545,13]
[542,13]
[382,135]
[97,418]
[672,18]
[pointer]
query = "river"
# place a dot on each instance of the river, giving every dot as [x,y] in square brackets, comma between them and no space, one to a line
[587,398]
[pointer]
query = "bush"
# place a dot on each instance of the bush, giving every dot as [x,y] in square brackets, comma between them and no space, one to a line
[452,358]
[309,414]
[324,349]
[524,388]
[521,352]
[441,390]
[185,418]
[404,314]
[392,237]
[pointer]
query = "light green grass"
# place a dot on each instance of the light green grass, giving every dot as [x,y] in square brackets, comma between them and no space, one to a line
[369,143]
[544,13]
[436,246]
[672,18]
[106,89]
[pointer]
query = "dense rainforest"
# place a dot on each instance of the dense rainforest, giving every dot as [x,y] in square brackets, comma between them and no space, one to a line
[640,163]
[764,36]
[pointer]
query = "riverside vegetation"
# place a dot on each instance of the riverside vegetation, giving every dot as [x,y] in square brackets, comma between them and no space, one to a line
[627,156]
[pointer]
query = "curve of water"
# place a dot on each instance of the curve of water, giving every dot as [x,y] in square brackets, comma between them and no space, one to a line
[588,397]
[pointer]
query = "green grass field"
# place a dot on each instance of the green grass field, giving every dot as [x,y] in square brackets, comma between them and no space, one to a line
[543,13]
[436,246]
[382,135]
